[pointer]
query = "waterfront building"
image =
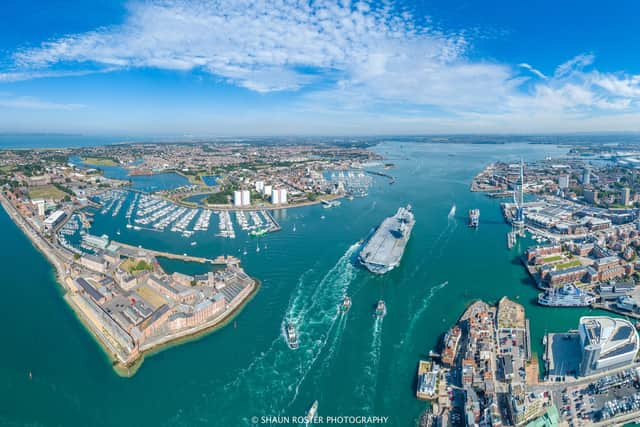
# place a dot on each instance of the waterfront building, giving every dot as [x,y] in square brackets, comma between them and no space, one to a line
[183,279]
[259,186]
[198,314]
[428,373]
[99,242]
[153,323]
[54,220]
[554,278]
[626,303]
[536,254]
[267,190]
[614,290]
[606,343]
[450,347]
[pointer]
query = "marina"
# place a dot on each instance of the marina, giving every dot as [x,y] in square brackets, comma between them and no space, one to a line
[153,213]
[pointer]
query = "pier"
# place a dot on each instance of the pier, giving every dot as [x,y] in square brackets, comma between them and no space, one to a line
[220,260]
[391,179]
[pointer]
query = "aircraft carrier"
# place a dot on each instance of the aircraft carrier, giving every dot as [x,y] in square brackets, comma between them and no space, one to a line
[383,251]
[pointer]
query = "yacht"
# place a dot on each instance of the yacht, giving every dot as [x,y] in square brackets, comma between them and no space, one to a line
[381,309]
[292,336]
[346,304]
[313,410]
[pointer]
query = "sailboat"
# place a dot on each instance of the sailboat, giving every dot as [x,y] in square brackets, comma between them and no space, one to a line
[244,252]
[257,248]
[294,228]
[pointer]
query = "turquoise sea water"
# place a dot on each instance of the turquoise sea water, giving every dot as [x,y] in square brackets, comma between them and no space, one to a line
[352,364]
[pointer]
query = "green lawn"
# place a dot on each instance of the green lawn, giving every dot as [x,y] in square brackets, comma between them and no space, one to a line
[46,192]
[569,264]
[553,258]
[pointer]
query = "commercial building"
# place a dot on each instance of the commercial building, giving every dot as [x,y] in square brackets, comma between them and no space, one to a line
[99,242]
[40,206]
[586,176]
[259,185]
[275,196]
[563,181]
[278,196]
[93,262]
[246,198]
[237,198]
[283,196]
[591,196]
[606,343]
[626,196]
[267,190]
[54,220]
[241,198]
[555,278]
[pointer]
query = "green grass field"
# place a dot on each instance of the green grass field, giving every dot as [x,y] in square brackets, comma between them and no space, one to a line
[553,258]
[46,192]
[569,264]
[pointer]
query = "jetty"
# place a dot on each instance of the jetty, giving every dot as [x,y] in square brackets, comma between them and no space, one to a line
[391,179]
[220,260]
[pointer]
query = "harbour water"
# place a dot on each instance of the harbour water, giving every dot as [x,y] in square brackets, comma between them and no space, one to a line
[352,363]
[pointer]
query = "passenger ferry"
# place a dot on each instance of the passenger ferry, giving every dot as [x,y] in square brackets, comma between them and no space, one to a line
[566,296]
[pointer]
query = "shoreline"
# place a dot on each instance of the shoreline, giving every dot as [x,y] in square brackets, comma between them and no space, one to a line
[120,368]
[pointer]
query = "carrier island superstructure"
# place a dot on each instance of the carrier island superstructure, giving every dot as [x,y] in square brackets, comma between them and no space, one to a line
[383,251]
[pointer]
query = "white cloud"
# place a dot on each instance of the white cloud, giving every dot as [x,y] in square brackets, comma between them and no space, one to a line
[351,56]
[261,45]
[533,70]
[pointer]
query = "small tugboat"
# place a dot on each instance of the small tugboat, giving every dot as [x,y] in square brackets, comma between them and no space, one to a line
[346,304]
[381,309]
[313,410]
[292,336]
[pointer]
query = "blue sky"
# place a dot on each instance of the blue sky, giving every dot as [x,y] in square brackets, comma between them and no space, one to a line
[280,67]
